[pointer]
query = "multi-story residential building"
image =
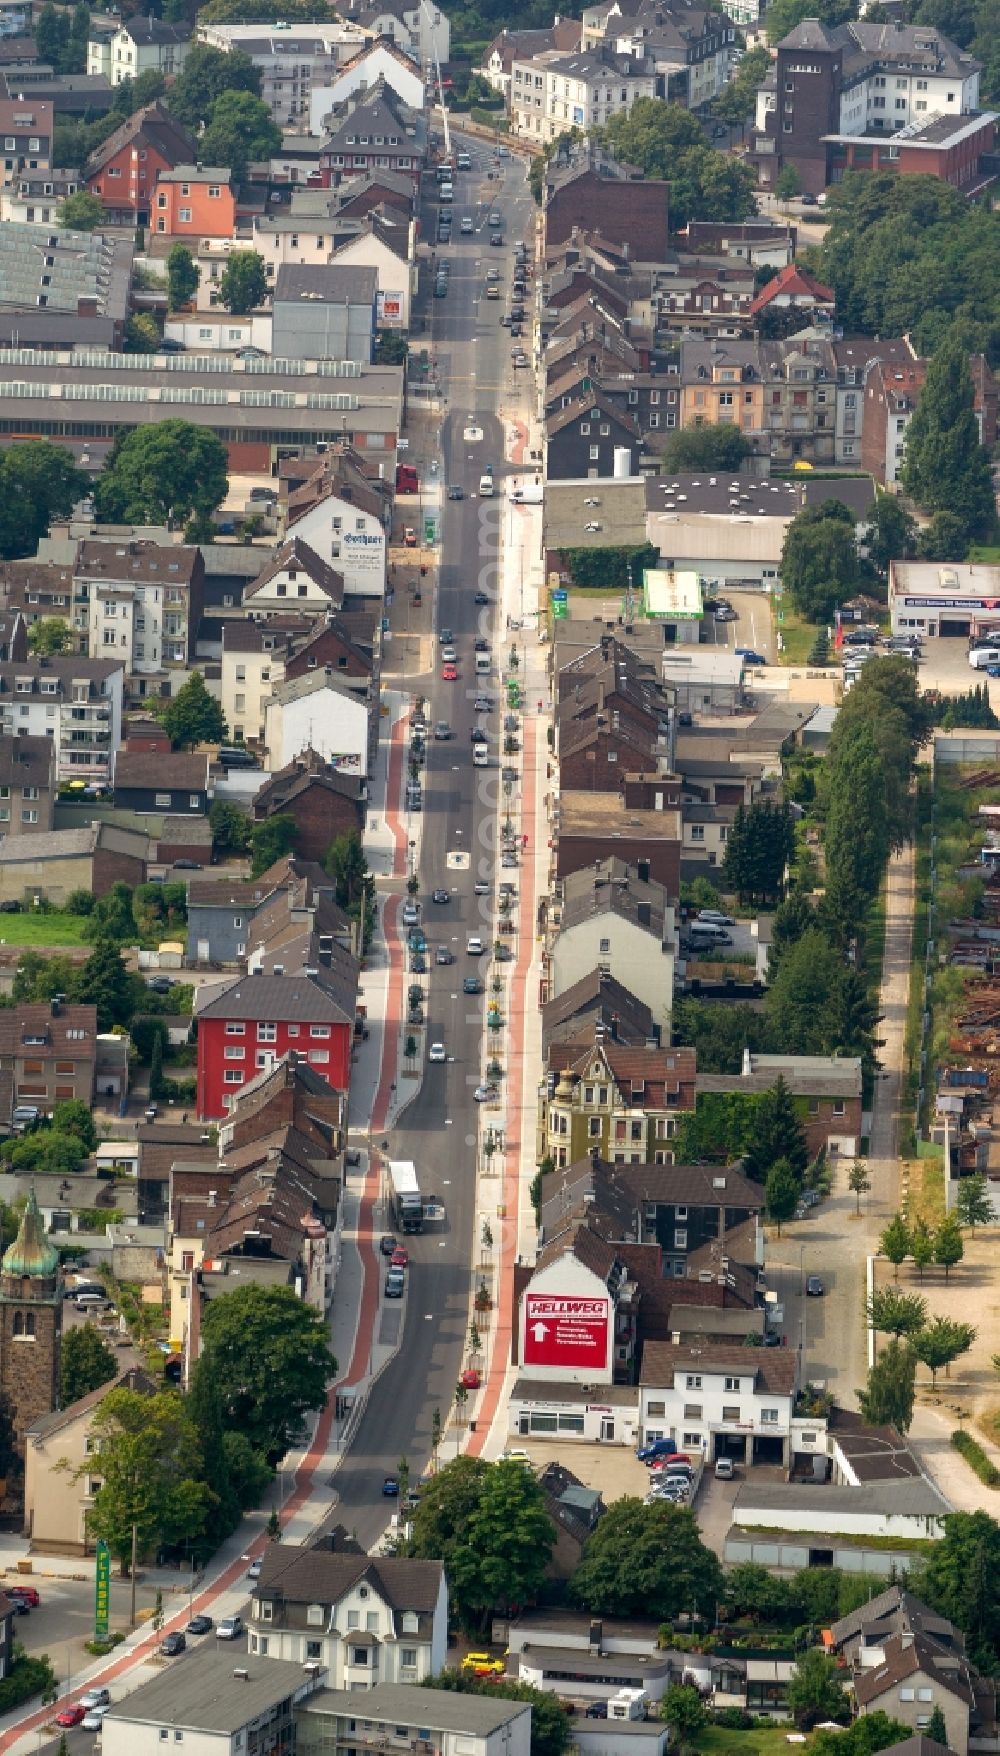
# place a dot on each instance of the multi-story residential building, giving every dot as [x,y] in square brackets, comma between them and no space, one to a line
[422,31]
[26,126]
[291,59]
[587,191]
[591,438]
[295,580]
[854,86]
[371,62]
[36,195]
[194,201]
[342,516]
[75,701]
[253,664]
[556,92]
[321,712]
[524,45]
[386,242]
[373,130]
[214,1713]
[621,1103]
[720,381]
[308,1602]
[27,784]
[800,400]
[141,44]
[176,782]
[59,1482]
[223,916]
[612,916]
[691,46]
[322,802]
[257,1019]
[48,1054]
[721,1400]
[124,168]
[141,603]
[442,1723]
[825,1089]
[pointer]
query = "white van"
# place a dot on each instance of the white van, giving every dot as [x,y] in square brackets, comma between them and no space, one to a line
[709,930]
[486,484]
[981,657]
[480,756]
[483,665]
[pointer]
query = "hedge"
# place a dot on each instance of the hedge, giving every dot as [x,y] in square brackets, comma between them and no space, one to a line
[976,1458]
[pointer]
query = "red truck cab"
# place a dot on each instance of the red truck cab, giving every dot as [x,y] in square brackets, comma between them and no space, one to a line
[407,480]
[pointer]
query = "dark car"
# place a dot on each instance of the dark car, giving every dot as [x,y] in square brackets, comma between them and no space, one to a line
[481,597]
[497,240]
[172,1644]
[10,908]
[482,646]
[159,984]
[394,1284]
[517,329]
[814,1287]
[418,964]
[456,492]
[596,1710]
[390,1487]
[200,1625]
[441,896]
[387,1244]
[188,866]
[443,955]
[472,985]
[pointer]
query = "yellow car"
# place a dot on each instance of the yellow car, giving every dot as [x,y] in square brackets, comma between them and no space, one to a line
[482,1665]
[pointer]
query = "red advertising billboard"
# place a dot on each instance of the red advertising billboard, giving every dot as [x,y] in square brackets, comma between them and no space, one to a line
[561,1331]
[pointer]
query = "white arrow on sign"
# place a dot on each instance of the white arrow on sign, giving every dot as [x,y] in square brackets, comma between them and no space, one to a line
[539,1331]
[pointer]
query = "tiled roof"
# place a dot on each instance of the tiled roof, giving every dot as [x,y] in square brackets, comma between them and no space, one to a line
[154,125]
[796,283]
[774,1370]
[295,553]
[324,1576]
[292,999]
[904,1657]
[26,761]
[161,771]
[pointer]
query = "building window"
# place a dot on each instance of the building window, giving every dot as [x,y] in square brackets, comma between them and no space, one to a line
[656,1411]
[692,1411]
[235,1030]
[408,1657]
[769,1417]
[319,1032]
[730,1411]
[233,1076]
[162,801]
[267,1033]
[693,1382]
[732,1384]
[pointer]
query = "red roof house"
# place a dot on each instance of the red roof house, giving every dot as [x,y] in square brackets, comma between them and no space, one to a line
[794,288]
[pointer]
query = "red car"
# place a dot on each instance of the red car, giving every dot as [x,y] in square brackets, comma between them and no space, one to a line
[449,674]
[400,1257]
[409,537]
[71,1716]
[471,1379]
[27,1594]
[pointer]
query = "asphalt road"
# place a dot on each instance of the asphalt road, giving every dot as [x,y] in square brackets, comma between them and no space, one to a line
[438,1128]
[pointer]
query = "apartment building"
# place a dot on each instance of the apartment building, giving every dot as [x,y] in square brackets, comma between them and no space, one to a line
[369,63]
[27,784]
[612,916]
[123,170]
[141,44]
[588,191]
[622,1103]
[48,1054]
[422,30]
[26,125]
[420,1722]
[194,201]
[253,664]
[555,92]
[141,603]
[257,1019]
[77,702]
[373,130]
[397,1610]
[721,1400]
[691,46]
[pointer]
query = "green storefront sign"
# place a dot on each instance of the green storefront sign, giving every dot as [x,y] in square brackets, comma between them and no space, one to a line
[102,1592]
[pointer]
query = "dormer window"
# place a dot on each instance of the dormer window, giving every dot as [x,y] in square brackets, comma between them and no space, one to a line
[314,1615]
[411,1622]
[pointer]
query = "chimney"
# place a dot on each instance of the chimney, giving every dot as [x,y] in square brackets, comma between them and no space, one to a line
[644,914]
[54,1005]
[596,1636]
[615,1038]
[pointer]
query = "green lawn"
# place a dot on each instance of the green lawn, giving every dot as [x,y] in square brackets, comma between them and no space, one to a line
[719,1741]
[47,931]
[987,552]
[797,635]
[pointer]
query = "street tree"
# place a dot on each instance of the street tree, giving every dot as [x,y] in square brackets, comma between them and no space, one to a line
[778,1134]
[781,1192]
[104,982]
[941,1342]
[162,473]
[921,1246]
[85,1363]
[887,1399]
[206,74]
[891,532]
[814,1690]
[683,1710]
[973,1206]
[151,1474]
[788,183]
[193,716]
[240,129]
[244,282]
[859,1183]
[819,560]
[946,468]
[49,637]
[81,212]
[271,1363]
[894,1243]
[509,1539]
[183,273]
[895,1313]
[949,1245]
[647,1560]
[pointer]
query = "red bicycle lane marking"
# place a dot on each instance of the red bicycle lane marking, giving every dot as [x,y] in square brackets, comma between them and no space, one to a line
[500,1355]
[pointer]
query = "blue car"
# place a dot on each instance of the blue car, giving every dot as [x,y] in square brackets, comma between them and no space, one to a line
[657,1449]
[390,1487]
[751,657]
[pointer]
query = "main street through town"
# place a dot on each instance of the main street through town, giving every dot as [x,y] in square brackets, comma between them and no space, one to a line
[437,1129]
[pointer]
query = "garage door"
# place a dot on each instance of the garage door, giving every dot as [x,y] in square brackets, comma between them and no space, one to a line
[952,630]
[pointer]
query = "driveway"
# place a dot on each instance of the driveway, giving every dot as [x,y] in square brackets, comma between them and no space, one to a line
[713,1507]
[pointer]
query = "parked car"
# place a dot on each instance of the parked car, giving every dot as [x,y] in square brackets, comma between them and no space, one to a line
[387,1244]
[171,1646]
[725,1469]
[395,1284]
[28,1594]
[655,1449]
[471,1378]
[230,1628]
[200,1625]
[98,1697]
[401,1257]
[72,1715]
[596,1710]
[93,1719]
[253,1571]
[814,1287]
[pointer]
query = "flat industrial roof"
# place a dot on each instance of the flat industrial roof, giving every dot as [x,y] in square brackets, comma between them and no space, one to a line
[217,1694]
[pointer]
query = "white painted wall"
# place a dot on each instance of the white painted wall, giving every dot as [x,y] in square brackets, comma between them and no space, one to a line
[334,724]
[634,954]
[352,541]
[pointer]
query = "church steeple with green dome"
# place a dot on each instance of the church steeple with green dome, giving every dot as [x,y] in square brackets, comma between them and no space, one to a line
[31,1255]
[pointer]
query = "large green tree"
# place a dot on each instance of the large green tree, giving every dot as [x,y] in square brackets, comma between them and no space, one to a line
[760,846]
[946,469]
[961,1580]
[887,1399]
[815,1691]
[973,1202]
[721,447]
[819,560]
[193,716]
[85,1363]
[151,1474]
[737,101]
[896,1313]
[183,274]
[38,482]
[891,532]
[271,841]
[244,282]
[206,75]
[81,212]
[104,982]
[488,1523]
[73,1116]
[50,636]
[647,1561]
[268,1353]
[240,129]
[941,1342]
[162,473]
[665,140]
[778,1134]
[781,1192]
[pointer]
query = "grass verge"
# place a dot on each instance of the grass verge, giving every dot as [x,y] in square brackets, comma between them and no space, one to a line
[976,1458]
[759,1741]
[797,635]
[43,930]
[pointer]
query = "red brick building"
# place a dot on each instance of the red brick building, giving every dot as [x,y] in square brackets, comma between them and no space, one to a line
[124,170]
[323,803]
[597,197]
[259,1018]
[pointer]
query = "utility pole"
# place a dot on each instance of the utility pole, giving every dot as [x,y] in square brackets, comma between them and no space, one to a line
[131,1613]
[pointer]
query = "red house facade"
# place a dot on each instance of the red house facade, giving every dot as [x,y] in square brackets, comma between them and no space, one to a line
[258,1019]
